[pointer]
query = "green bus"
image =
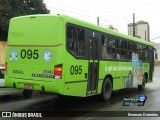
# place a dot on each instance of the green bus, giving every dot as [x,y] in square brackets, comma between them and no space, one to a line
[66,56]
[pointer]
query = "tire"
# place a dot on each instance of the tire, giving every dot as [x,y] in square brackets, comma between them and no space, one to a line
[142,87]
[106,89]
[27,93]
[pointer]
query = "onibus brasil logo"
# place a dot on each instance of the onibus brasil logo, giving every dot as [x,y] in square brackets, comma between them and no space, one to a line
[140,101]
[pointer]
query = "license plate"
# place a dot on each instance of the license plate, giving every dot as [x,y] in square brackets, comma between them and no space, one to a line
[30,86]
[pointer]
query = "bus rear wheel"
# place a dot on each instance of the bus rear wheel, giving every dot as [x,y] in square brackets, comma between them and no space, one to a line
[27,93]
[106,89]
[142,87]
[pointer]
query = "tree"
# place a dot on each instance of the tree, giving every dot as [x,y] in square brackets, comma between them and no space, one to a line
[14,8]
[112,28]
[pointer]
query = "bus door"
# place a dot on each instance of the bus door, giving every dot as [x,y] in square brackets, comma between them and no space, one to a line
[93,67]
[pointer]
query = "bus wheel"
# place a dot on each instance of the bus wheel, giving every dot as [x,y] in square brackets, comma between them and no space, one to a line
[142,87]
[27,93]
[106,89]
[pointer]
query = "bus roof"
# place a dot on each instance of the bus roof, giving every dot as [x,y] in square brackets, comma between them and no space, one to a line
[68,19]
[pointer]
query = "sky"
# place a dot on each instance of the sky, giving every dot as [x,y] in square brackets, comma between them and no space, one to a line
[118,13]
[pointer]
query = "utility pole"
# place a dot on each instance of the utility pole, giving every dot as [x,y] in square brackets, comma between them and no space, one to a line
[134,25]
[97,20]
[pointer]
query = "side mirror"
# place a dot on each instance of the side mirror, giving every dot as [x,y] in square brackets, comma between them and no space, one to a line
[155,53]
[156,56]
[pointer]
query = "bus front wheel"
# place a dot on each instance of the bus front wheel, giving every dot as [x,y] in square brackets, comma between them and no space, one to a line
[106,89]
[27,93]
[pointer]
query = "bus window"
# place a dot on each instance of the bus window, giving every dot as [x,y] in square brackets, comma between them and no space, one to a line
[76,41]
[145,56]
[72,46]
[131,46]
[70,32]
[108,47]
[104,47]
[111,43]
[139,50]
[81,49]
[122,49]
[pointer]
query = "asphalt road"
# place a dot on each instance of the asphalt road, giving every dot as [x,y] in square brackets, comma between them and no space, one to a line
[87,106]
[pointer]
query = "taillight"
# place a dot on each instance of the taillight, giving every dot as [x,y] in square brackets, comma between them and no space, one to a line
[6,67]
[58,71]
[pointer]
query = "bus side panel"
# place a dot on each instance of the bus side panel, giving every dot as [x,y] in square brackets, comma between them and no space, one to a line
[75,80]
[76,89]
[106,68]
[123,74]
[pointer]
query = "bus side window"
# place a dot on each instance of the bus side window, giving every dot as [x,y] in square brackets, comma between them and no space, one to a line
[104,47]
[122,49]
[73,47]
[130,49]
[81,42]
[145,55]
[111,49]
[139,50]
[81,50]
[76,41]
[108,47]
[70,32]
